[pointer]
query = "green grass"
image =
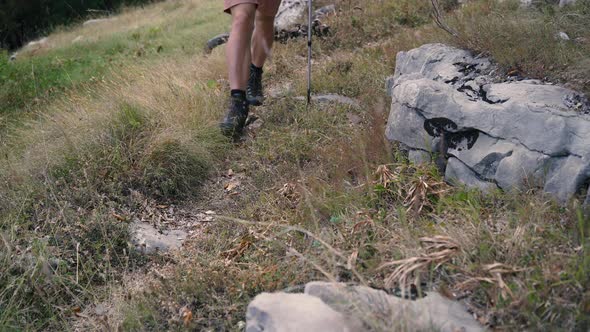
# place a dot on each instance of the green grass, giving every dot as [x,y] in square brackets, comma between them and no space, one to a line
[38,76]
[101,129]
[330,165]
[526,40]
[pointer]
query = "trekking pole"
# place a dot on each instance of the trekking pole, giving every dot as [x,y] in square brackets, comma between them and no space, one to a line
[309,53]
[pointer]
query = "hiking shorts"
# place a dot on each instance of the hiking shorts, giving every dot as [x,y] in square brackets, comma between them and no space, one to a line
[265,7]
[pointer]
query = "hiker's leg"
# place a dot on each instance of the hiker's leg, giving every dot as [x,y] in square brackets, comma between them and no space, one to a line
[238,62]
[238,46]
[264,31]
[262,39]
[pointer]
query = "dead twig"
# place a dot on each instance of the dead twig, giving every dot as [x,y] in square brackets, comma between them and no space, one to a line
[346,261]
[440,249]
[496,270]
[438,19]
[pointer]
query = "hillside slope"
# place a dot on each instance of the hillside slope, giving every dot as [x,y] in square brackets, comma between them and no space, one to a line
[309,194]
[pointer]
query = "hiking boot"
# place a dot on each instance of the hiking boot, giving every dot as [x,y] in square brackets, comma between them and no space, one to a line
[235,119]
[254,92]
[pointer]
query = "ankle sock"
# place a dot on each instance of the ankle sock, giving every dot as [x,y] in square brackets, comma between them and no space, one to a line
[237,93]
[256,69]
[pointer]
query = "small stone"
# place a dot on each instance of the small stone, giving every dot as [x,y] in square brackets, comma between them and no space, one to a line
[353,119]
[324,11]
[98,21]
[100,310]
[563,36]
[563,3]
[332,98]
[148,239]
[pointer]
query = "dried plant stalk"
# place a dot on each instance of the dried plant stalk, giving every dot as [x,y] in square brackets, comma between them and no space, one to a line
[440,249]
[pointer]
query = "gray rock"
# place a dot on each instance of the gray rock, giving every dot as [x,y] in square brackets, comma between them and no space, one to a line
[332,98]
[13,56]
[458,173]
[563,3]
[496,134]
[77,39]
[38,43]
[419,157]
[526,3]
[216,41]
[324,12]
[339,307]
[378,311]
[281,312]
[291,13]
[99,21]
[563,36]
[148,239]
[389,82]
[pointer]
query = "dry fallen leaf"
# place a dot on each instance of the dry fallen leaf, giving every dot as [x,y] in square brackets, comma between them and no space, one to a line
[186,314]
[119,217]
[230,186]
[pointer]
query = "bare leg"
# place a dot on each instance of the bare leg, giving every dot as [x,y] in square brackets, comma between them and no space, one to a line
[262,39]
[238,46]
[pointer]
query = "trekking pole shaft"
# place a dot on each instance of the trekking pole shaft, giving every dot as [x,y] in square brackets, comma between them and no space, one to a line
[309,52]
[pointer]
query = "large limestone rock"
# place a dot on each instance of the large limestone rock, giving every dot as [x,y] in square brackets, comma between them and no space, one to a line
[339,307]
[290,15]
[489,133]
[283,312]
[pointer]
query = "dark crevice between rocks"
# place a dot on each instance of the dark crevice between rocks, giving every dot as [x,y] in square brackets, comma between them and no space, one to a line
[451,137]
[584,192]
[466,68]
[452,81]
[484,96]
[476,174]
[480,94]
[470,92]
[515,140]
[488,166]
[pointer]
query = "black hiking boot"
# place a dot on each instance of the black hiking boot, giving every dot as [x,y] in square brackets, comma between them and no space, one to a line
[254,92]
[235,119]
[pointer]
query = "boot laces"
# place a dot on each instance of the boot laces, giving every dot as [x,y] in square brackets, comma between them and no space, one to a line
[255,86]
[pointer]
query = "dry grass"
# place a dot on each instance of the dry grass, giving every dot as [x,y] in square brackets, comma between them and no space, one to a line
[326,198]
[440,249]
[526,41]
[153,18]
[64,177]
